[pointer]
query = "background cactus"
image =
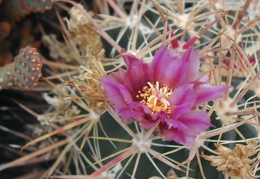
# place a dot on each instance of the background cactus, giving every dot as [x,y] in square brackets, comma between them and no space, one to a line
[5,29]
[14,10]
[24,72]
[23,34]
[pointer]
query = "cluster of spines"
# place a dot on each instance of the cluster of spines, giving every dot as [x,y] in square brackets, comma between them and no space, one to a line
[24,72]
[17,9]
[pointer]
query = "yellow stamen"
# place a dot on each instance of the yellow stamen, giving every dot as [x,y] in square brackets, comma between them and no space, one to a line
[155,97]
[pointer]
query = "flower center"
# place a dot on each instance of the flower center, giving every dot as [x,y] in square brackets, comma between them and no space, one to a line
[155,98]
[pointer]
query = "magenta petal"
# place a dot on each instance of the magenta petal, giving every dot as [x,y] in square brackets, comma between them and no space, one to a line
[174,74]
[174,70]
[140,107]
[161,59]
[134,110]
[191,57]
[182,100]
[178,136]
[119,76]
[129,58]
[187,127]
[207,92]
[198,78]
[147,124]
[192,74]
[137,75]
[176,133]
[198,121]
[116,93]
[164,58]
[150,120]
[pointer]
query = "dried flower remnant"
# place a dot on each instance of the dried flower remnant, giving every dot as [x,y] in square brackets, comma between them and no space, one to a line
[88,84]
[165,92]
[60,107]
[234,163]
[58,50]
[83,33]
[172,175]
[223,109]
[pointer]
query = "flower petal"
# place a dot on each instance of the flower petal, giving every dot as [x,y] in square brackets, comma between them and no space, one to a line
[134,111]
[117,94]
[182,100]
[161,60]
[118,76]
[175,133]
[207,92]
[174,74]
[187,127]
[167,66]
[174,70]
[137,75]
[191,57]
[192,74]
[198,119]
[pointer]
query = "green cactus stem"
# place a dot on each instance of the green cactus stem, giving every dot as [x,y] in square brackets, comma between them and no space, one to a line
[24,72]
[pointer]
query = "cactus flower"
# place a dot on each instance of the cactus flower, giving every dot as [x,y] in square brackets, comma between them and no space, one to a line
[165,92]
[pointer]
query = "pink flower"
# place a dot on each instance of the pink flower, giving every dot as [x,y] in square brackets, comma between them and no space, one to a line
[165,92]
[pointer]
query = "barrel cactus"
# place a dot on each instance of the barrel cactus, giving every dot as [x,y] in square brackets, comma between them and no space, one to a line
[173,93]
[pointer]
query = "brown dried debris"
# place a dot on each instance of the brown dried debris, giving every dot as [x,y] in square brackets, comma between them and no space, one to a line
[83,33]
[236,163]
[88,83]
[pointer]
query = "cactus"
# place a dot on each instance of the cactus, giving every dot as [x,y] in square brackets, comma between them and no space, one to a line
[226,39]
[14,10]
[5,29]
[24,72]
